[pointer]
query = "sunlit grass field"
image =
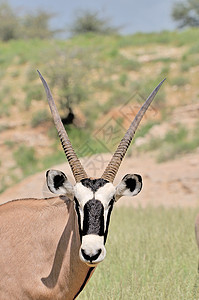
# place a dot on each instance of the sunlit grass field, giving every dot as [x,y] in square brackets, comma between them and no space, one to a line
[151,254]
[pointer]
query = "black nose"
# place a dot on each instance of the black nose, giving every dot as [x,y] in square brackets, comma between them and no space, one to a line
[91,257]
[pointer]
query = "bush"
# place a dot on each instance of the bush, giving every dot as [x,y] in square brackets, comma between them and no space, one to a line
[179,81]
[39,118]
[123,79]
[87,21]
[128,64]
[36,26]
[186,13]
[72,87]
[175,142]
[25,158]
[33,93]
[28,26]
[31,74]
[9,23]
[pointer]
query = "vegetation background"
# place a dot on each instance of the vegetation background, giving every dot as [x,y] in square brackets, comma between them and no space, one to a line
[99,79]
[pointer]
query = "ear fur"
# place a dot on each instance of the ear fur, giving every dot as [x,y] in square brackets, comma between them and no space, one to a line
[58,183]
[130,185]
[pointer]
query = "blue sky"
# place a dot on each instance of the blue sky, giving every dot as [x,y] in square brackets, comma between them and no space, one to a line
[132,15]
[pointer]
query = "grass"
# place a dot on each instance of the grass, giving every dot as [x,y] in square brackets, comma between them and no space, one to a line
[174,143]
[151,254]
[178,142]
[39,117]
[31,74]
[194,49]
[144,129]
[123,79]
[25,158]
[179,81]
[3,127]
[34,92]
[128,64]
[4,110]
[186,66]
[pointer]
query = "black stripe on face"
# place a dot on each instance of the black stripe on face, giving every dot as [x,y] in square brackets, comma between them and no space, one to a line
[93,218]
[78,216]
[108,219]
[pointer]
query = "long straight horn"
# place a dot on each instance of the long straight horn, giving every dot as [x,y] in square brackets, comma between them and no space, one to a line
[77,169]
[113,166]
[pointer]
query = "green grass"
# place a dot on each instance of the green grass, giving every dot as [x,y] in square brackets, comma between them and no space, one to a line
[186,66]
[144,129]
[31,74]
[128,64]
[176,142]
[179,81]
[194,49]
[34,92]
[4,127]
[151,254]
[39,117]
[123,79]
[166,60]
[25,158]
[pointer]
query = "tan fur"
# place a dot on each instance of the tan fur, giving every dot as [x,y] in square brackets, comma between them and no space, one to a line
[39,250]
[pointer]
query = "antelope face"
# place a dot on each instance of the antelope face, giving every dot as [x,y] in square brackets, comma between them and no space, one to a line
[94,200]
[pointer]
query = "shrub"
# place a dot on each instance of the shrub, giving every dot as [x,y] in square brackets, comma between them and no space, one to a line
[9,22]
[179,81]
[3,127]
[31,74]
[186,13]
[144,129]
[25,158]
[185,66]
[123,79]
[27,26]
[39,118]
[128,64]
[87,21]
[33,93]
[15,74]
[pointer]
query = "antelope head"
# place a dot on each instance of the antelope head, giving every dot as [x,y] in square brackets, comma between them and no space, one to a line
[94,198]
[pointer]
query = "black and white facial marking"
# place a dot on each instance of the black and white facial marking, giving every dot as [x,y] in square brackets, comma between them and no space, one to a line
[94,200]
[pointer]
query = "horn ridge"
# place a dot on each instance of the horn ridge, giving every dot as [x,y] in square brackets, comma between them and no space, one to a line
[75,164]
[114,164]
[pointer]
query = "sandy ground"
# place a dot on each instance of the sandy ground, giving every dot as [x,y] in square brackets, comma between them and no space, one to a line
[169,184]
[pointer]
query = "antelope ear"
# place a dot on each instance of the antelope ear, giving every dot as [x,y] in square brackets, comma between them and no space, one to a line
[58,183]
[130,185]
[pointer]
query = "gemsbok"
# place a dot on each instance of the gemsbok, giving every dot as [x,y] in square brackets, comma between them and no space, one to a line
[49,248]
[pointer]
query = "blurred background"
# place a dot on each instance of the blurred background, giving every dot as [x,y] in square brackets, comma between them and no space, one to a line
[101,60]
